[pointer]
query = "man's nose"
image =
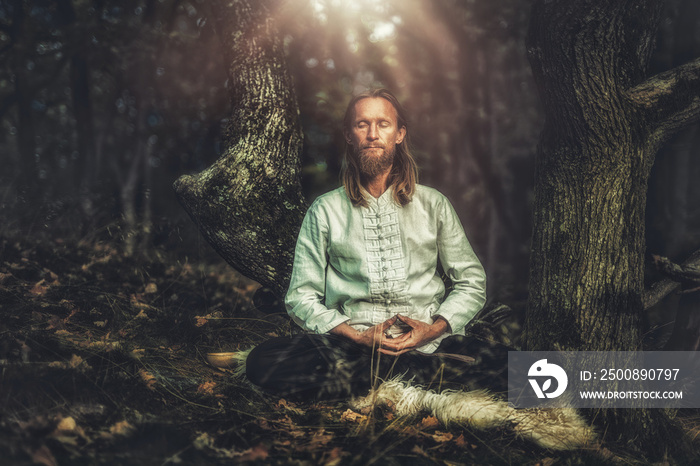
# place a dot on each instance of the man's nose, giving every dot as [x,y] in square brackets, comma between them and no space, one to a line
[372,132]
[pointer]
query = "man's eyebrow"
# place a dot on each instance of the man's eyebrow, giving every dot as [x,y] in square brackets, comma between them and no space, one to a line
[358,120]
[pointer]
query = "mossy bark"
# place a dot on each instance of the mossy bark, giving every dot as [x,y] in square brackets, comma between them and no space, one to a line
[589,59]
[249,204]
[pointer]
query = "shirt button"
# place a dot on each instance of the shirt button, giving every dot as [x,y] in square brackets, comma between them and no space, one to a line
[388,301]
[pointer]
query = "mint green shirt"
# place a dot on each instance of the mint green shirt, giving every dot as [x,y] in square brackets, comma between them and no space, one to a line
[363,265]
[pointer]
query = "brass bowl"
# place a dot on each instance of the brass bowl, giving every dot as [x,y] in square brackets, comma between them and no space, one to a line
[222,360]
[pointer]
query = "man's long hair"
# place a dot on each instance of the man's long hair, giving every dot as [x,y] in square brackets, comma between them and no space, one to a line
[404,171]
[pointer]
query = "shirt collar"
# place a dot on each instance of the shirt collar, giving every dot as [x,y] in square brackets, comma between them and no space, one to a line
[386,197]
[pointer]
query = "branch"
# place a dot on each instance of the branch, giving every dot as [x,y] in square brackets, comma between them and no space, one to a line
[689,271]
[679,273]
[671,99]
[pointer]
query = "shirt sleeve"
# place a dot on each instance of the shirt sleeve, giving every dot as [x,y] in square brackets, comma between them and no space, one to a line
[305,297]
[461,265]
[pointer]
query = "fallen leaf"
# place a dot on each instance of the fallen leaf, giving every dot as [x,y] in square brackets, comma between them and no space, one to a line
[351,416]
[203,441]
[67,424]
[442,437]
[199,321]
[39,289]
[73,312]
[148,378]
[151,288]
[258,452]
[43,455]
[76,362]
[207,388]
[284,404]
[123,428]
[429,422]
[71,440]
[137,303]
[460,441]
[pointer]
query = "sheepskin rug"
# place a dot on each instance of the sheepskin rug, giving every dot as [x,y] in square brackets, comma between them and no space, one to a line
[552,428]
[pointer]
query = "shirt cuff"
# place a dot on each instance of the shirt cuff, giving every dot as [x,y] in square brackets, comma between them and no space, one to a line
[457,318]
[321,320]
[333,323]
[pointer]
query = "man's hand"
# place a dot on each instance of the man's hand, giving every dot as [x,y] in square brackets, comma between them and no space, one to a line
[419,335]
[373,337]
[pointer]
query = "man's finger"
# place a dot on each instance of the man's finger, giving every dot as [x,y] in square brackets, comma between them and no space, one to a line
[408,321]
[387,323]
[401,338]
[394,353]
[394,345]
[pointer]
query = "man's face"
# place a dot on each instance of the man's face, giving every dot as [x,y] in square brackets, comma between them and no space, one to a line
[374,135]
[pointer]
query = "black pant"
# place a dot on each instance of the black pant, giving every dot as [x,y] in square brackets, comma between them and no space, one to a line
[329,367]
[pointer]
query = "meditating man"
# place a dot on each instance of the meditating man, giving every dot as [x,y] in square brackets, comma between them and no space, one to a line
[366,284]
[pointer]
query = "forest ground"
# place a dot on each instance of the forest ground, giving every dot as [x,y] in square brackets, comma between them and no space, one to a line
[103,362]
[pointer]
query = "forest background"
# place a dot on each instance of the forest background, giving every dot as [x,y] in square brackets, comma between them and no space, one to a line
[104,104]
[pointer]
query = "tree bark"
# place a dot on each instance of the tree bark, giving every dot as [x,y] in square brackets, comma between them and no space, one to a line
[659,290]
[86,170]
[604,121]
[249,204]
[26,137]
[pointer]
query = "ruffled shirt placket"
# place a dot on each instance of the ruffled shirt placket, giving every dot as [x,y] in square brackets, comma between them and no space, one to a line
[385,259]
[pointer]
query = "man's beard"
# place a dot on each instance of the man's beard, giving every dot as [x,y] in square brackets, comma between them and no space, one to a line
[373,165]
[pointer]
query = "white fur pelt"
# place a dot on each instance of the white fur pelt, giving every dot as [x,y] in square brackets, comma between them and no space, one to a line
[553,428]
[240,357]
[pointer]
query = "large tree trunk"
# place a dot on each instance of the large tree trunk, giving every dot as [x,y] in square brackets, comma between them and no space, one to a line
[593,163]
[604,124]
[248,204]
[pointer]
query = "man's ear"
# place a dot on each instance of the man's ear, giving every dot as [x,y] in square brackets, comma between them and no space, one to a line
[401,136]
[346,135]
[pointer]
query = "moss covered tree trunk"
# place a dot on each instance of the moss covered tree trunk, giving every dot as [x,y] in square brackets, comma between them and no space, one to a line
[605,120]
[248,204]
